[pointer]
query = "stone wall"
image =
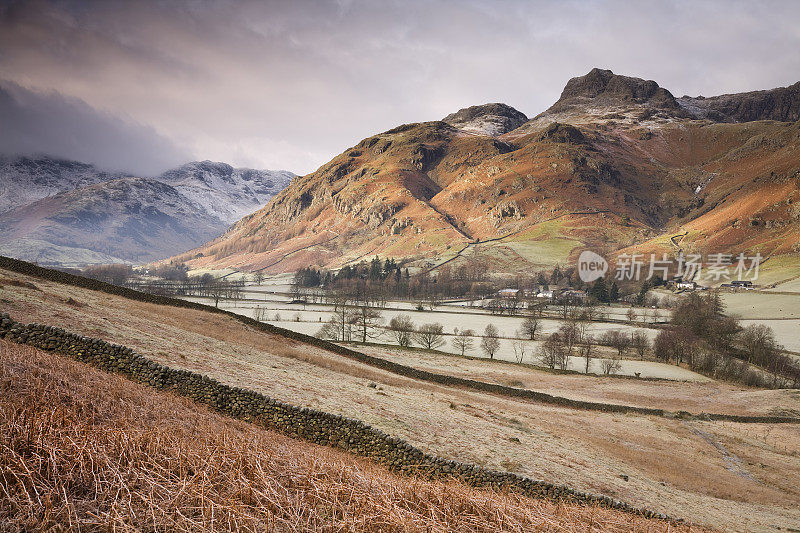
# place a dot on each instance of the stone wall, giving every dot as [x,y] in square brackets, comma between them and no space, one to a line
[310,424]
[30,269]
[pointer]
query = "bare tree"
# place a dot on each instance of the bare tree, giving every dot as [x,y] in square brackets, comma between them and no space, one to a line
[676,343]
[631,314]
[217,290]
[569,334]
[610,366]
[430,336]
[656,316]
[296,290]
[401,327]
[529,327]
[586,350]
[640,342]
[759,344]
[490,342]
[567,304]
[432,300]
[464,340]
[366,320]
[342,315]
[617,339]
[553,352]
[330,330]
[591,311]
[520,347]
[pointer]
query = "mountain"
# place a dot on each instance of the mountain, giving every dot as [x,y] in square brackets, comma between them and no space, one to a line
[617,162]
[26,179]
[604,88]
[223,191]
[123,220]
[66,212]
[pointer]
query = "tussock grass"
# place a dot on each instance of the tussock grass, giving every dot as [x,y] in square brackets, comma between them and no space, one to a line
[82,449]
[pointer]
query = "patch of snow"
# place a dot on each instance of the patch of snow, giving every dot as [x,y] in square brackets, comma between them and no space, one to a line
[24,180]
[225,192]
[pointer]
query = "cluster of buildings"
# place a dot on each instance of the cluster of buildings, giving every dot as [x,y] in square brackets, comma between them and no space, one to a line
[544,293]
[680,284]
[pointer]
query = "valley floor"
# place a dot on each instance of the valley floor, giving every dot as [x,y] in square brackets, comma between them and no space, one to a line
[730,475]
[309,318]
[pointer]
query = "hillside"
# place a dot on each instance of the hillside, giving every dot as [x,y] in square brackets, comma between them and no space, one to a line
[70,213]
[189,468]
[667,464]
[617,161]
[129,220]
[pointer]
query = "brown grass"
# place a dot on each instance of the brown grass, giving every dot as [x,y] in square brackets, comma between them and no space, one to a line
[82,449]
[671,469]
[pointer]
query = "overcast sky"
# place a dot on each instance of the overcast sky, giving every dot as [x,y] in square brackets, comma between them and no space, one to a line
[141,86]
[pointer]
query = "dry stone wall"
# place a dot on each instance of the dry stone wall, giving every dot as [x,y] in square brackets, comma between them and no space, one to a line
[30,269]
[312,425]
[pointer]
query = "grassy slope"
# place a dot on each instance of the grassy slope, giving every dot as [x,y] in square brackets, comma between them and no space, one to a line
[86,449]
[671,465]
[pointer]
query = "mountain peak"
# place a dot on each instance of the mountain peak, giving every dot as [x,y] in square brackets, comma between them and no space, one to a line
[226,192]
[487,119]
[605,87]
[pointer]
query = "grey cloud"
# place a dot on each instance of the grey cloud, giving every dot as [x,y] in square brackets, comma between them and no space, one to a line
[51,124]
[290,84]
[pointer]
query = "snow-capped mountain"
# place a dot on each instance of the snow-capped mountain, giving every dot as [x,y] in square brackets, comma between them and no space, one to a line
[26,179]
[130,219]
[225,192]
[57,211]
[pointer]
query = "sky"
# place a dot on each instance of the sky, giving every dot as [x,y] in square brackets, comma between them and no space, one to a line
[144,86]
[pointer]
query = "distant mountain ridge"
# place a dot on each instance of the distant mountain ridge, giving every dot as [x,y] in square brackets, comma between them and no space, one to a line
[617,162]
[226,192]
[782,104]
[25,179]
[603,96]
[65,212]
[130,219]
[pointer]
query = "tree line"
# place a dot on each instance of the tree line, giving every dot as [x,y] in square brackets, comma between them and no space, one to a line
[701,336]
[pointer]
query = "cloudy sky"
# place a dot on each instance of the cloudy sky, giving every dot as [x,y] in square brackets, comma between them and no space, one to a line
[141,86]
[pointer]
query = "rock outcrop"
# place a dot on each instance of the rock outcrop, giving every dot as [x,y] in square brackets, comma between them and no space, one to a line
[604,88]
[487,119]
[782,104]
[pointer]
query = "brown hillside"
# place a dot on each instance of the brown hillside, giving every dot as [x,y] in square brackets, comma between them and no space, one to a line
[87,450]
[612,144]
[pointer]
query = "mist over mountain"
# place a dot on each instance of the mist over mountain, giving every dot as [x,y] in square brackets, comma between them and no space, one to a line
[36,123]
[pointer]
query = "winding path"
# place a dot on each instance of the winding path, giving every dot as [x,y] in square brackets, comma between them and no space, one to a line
[506,236]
